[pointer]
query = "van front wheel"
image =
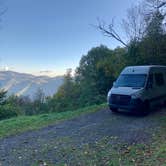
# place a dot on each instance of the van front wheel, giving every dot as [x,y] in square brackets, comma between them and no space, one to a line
[146,108]
[165,103]
[114,110]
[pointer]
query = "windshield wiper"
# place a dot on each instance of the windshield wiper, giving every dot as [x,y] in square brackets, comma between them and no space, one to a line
[136,87]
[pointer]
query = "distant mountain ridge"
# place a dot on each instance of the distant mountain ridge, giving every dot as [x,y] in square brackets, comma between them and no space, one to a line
[27,84]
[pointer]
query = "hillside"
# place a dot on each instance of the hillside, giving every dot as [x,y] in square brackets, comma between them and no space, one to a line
[27,84]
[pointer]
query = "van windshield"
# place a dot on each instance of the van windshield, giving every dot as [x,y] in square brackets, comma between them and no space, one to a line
[131,80]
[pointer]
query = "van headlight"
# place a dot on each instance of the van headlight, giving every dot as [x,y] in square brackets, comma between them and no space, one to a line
[137,94]
[134,96]
[108,96]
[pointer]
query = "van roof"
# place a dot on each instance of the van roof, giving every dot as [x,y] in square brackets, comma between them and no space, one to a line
[140,69]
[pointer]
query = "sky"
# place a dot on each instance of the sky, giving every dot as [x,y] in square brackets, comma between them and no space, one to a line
[52,35]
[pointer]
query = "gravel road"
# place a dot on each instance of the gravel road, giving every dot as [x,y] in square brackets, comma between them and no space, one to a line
[45,144]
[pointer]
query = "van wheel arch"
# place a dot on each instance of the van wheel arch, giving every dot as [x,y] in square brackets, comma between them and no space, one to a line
[115,110]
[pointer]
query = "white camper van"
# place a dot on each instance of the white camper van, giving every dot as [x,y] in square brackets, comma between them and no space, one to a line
[138,88]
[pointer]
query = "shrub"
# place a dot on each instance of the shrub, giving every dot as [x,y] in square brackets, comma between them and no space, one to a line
[7,111]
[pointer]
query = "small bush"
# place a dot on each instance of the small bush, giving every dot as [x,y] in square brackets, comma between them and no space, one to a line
[7,111]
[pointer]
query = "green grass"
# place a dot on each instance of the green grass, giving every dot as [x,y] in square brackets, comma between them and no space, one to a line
[26,123]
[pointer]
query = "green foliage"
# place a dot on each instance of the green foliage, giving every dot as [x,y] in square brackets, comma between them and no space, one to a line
[2,96]
[67,95]
[7,111]
[25,123]
[23,104]
[91,72]
[151,48]
[38,104]
[97,71]
[93,78]
[154,28]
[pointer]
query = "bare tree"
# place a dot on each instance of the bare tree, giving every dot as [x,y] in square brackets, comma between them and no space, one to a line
[39,96]
[109,30]
[155,4]
[155,14]
[136,22]
[133,25]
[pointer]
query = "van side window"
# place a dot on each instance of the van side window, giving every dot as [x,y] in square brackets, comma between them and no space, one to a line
[159,79]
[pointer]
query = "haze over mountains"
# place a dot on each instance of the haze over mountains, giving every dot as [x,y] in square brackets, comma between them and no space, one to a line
[27,84]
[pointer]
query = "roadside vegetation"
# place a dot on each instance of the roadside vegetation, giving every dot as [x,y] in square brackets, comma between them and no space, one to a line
[21,124]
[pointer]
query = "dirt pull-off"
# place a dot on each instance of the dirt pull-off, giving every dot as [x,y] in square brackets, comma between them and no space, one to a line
[46,144]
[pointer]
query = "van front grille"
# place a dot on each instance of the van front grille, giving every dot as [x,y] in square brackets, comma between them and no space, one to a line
[120,99]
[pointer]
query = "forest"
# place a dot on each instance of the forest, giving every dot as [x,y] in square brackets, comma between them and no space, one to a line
[144,44]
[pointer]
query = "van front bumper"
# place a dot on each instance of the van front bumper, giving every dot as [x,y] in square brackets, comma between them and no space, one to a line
[135,105]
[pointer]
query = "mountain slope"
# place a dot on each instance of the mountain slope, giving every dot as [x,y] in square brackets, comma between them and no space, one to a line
[27,84]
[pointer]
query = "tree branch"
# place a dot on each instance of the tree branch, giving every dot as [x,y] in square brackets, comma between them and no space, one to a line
[110,31]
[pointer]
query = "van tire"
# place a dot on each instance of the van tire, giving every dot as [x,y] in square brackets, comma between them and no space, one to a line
[146,108]
[114,110]
[165,103]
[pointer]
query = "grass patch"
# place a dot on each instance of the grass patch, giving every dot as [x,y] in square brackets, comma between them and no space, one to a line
[26,123]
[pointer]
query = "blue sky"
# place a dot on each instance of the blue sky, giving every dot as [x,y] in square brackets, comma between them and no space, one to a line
[39,35]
